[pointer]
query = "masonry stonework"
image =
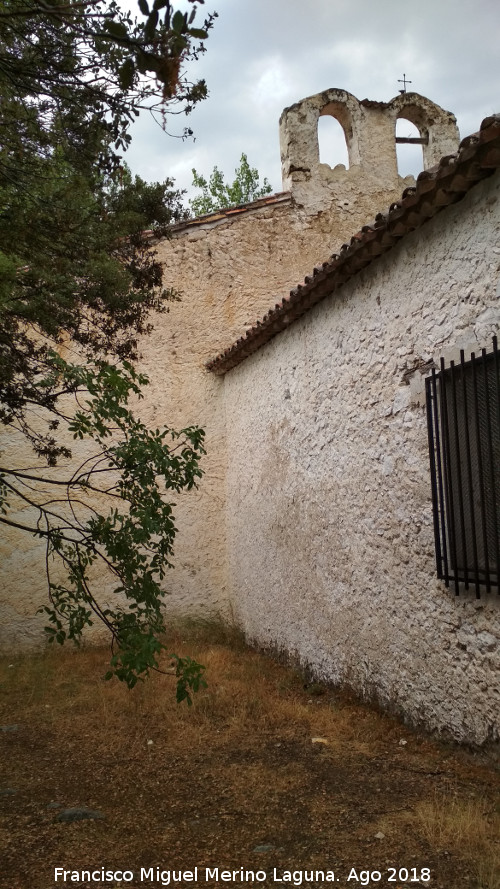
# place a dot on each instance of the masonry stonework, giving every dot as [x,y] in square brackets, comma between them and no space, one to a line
[370,134]
[338,566]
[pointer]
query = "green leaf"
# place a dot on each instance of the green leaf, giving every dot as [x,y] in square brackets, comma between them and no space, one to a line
[143,6]
[151,24]
[126,74]
[116,29]
[198,33]
[179,22]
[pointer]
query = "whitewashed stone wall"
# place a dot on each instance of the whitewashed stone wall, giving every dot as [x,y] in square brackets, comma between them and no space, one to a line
[329,519]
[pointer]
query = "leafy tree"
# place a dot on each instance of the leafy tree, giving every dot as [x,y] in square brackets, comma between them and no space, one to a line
[91,57]
[78,269]
[217,194]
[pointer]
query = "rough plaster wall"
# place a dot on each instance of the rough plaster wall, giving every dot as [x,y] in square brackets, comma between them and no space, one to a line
[329,521]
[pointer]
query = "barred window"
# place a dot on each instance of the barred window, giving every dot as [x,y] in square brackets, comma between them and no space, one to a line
[463,415]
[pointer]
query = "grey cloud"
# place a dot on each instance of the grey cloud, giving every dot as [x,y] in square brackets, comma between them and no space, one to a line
[265,54]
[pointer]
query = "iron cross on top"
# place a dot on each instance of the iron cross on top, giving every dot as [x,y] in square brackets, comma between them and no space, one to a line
[404,81]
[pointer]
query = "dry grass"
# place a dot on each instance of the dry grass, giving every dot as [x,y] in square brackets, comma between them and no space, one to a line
[246,691]
[240,762]
[469,827]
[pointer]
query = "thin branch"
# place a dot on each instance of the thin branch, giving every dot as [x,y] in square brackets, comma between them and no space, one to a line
[38,532]
[72,482]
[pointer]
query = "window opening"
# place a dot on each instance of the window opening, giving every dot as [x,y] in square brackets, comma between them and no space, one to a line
[409,154]
[332,142]
[463,415]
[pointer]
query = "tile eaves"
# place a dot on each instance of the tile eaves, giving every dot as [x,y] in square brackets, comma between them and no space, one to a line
[446,183]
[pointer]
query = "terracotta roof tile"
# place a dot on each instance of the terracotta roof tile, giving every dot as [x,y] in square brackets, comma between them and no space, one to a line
[280,197]
[446,183]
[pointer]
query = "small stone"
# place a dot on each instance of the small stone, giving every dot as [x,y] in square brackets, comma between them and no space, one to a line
[54,805]
[403,742]
[8,791]
[379,835]
[319,741]
[9,728]
[402,399]
[150,743]
[266,847]
[79,814]
[486,642]
[387,465]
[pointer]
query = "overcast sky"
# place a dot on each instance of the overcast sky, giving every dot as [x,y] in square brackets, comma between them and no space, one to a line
[263,55]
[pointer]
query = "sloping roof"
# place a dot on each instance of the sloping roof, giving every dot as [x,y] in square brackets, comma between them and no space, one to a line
[280,197]
[446,183]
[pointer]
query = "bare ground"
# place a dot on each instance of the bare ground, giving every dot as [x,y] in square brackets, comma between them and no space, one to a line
[264,773]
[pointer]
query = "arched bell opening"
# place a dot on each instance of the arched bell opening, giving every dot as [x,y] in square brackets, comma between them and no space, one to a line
[409,147]
[332,142]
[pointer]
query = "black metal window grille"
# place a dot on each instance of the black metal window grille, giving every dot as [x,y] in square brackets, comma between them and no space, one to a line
[463,416]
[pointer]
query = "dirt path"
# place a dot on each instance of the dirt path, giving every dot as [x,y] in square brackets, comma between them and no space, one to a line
[261,774]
